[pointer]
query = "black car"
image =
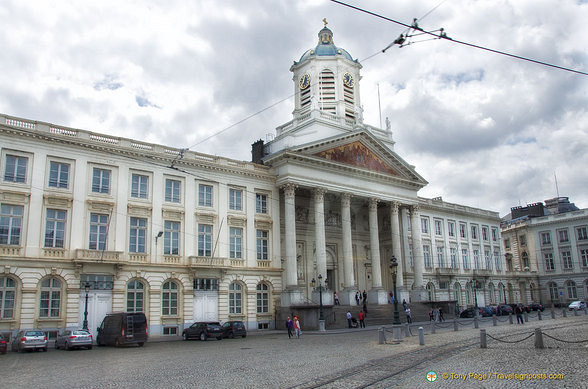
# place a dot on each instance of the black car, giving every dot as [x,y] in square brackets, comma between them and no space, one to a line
[468,313]
[203,330]
[123,328]
[535,307]
[234,328]
[504,310]
[3,345]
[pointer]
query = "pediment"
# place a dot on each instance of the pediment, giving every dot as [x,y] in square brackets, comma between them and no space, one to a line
[359,155]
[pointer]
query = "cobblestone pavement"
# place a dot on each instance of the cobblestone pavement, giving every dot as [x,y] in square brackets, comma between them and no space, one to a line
[335,359]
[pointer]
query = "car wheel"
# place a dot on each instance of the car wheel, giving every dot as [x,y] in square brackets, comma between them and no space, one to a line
[141,344]
[202,336]
[44,349]
[99,342]
[219,338]
[116,343]
[89,347]
[185,336]
[66,346]
[244,336]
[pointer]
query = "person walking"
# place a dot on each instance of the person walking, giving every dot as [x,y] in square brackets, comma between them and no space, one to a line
[357,297]
[364,297]
[519,312]
[336,297]
[349,319]
[361,319]
[290,326]
[404,304]
[408,317]
[441,319]
[297,329]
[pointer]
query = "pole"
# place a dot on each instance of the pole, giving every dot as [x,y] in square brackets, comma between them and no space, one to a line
[85,324]
[396,313]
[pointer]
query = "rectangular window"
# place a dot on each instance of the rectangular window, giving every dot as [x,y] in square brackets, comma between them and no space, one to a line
[463,231]
[262,245]
[427,255]
[10,224]
[440,257]
[16,169]
[172,191]
[139,186]
[204,240]
[55,228]
[487,260]
[451,229]
[235,242]
[171,238]
[453,255]
[494,234]
[410,256]
[549,264]
[545,238]
[100,180]
[475,232]
[581,231]
[260,203]
[566,258]
[438,227]
[485,236]
[98,231]
[205,284]
[584,257]
[170,331]
[523,240]
[497,260]
[563,236]
[425,225]
[465,259]
[235,199]
[506,243]
[58,175]
[138,233]
[204,195]
[477,259]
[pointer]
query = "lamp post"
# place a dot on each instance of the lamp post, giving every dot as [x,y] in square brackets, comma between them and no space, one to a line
[475,285]
[321,314]
[85,324]
[394,269]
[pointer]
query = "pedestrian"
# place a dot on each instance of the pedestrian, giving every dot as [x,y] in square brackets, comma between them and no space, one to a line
[364,297]
[431,315]
[408,317]
[365,308]
[357,297]
[436,315]
[441,315]
[361,319]
[404,304]
[349,319]
[290,326]
[297,329]
[336,297]
[390,297]
[519,312]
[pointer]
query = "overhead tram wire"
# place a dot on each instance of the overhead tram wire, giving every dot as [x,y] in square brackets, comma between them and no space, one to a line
[462,42]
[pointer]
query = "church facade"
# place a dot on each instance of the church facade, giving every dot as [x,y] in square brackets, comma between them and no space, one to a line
[184,236]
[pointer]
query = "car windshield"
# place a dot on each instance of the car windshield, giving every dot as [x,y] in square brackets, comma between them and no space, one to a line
[214,326]
[34,333]
[81,332]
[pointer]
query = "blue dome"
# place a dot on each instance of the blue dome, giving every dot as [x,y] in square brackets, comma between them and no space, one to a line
[325,47]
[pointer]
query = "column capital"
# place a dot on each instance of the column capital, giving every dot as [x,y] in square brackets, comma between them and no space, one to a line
[414,209]
[289,189]
[319,193]
[374,204]
[394,206]
[346,199]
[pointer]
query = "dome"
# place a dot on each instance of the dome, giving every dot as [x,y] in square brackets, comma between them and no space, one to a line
[326,47]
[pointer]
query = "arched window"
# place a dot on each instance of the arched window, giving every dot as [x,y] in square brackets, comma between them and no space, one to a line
[502,293]
[7,297]
[431,291]
[572,292]
[469,294]
[262,298]
[50,298]
[135,296]
[492,293]
[169,298]
[235,298]
[553,291]
[532,291]
[457,293]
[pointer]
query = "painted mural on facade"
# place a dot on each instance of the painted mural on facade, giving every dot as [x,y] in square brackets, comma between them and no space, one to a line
[358,155]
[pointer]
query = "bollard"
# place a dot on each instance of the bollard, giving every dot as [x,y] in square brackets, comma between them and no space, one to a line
[494,321]
[421,336]
[510,318]
[564,313]
[552,314]
[526,316]
[539,314]
[476,324]
[538,338]
[575,312]
[454,324]
[406,330]
[483,340]
[433,327]
[382,336]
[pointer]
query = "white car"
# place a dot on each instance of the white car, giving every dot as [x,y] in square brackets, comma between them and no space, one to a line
[576,305]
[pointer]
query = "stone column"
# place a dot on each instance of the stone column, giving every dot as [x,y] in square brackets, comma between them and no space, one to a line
[291,295]
[396,243]
[347,296]
[418,293]
[377,294]
[319,225]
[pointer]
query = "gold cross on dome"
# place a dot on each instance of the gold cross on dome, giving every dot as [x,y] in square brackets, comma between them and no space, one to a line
[325,21]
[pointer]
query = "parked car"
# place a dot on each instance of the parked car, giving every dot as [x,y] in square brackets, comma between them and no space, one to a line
[30,340]
[535,307]
[468,313]
[504,310]
[234,328]
[486,311]
[203,330]
[576,305]
[3,345]
[123,328]
[74,338]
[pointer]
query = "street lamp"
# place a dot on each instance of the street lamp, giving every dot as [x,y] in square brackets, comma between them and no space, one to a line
[475,285]
[394,270]
[321,314]
[85,324]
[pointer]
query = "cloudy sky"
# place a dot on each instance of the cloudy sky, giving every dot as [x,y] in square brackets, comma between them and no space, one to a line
[484,129]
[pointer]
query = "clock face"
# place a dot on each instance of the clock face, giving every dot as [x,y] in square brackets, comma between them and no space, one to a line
[304,81]
[348,79]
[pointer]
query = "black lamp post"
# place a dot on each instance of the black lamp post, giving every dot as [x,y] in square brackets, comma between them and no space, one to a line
[394,269]
[475,285]
[321,314]
[85,324]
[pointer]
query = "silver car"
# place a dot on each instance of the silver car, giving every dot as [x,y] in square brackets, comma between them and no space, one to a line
[74,338]
[30,340]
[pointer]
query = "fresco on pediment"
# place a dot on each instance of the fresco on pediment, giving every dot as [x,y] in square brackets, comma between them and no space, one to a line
[356,154]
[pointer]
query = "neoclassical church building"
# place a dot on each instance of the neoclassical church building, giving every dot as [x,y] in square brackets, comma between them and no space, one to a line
[184,236]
